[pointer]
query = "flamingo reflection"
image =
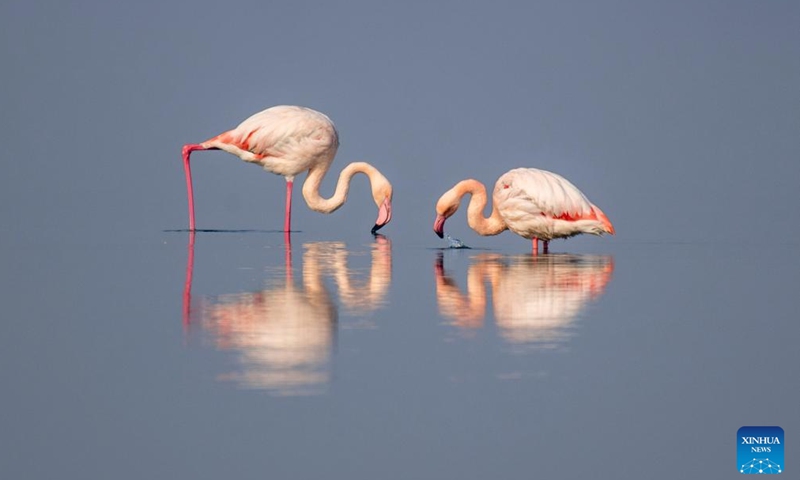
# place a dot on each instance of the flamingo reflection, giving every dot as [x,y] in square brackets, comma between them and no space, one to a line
[283,335]
[535,299]
[359,293]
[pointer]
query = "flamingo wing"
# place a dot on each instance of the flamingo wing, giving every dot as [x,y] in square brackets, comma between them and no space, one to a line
[529,191]
[287,132]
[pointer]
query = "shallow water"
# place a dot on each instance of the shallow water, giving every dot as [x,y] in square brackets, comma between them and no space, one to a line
[235,354]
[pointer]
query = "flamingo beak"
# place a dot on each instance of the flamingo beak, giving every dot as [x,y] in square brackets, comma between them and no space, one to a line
[438,225]
[384,215]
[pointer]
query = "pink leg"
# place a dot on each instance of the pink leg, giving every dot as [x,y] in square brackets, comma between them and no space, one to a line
[187,150]
[545,245]
[535,246]
[287,222]
[288,257]
[187,284]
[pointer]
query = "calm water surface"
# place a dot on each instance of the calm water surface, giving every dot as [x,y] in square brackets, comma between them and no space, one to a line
[236,355]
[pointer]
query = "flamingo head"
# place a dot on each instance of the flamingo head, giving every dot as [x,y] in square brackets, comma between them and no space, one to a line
[382,195]
[445,208]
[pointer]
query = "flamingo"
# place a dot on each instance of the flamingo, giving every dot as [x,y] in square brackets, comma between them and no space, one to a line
[288,140]
[535,204]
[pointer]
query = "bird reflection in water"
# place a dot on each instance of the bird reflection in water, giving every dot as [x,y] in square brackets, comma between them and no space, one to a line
[535,299]
[284,334]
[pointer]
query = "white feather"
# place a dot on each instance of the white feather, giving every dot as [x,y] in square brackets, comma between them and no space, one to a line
[532,200]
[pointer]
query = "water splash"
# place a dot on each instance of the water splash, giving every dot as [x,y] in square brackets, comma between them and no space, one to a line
[455,243]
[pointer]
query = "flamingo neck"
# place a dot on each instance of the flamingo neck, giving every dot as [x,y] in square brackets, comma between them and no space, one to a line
[491,225]
[327,205]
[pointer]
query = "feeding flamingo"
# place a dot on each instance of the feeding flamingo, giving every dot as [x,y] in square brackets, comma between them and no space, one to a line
[535,204]
[289,140]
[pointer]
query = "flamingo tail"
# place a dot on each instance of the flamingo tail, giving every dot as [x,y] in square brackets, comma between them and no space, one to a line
[604,220]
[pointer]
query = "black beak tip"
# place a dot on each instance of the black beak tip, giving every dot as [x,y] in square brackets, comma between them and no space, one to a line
[440,234]
[375,228]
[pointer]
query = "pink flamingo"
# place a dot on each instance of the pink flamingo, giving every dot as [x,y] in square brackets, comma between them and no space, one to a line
[288,140]
[532,203]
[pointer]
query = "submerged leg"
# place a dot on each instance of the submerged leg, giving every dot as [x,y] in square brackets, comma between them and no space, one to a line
[287,222]
[535,246]
[545,244]
[287,245]
[187,283]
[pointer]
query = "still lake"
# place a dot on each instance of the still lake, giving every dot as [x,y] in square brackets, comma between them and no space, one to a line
[237,355]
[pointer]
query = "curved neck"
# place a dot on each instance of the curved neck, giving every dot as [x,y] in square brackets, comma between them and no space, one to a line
[491,225]
[327,205]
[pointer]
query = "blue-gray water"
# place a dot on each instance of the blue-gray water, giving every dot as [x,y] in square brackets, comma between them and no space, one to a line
[637,356]
[354,357]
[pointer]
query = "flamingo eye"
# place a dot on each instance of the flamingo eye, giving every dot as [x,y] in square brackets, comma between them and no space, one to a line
[505,185]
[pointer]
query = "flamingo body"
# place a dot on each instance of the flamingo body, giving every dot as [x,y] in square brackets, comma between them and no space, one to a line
[535,204]
[540,204]
[288,140]
[285,140]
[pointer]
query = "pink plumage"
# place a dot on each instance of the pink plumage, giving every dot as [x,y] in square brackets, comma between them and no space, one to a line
[535,204]
[289,140]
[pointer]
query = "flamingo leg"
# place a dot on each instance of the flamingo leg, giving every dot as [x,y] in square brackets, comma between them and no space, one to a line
[287,222]
[187,150]
[288,258]
[545,245]
[535,246]
[187,284]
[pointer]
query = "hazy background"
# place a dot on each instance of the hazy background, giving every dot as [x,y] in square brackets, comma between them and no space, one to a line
[681,120]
